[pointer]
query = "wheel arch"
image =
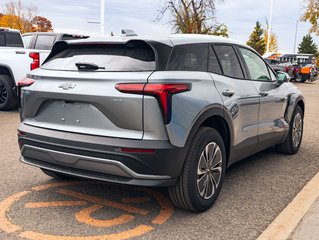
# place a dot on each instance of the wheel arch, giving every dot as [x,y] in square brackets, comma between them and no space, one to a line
[218,119]
[301,104]
[294,101]
[6,70]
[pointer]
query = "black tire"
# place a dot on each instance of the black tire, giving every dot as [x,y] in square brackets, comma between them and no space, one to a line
[56,175]
[288,146]
[8,98]
[185,194]
[300,79]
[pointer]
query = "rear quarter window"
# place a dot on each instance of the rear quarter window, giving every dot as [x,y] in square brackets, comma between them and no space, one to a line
[44,42]
[189,57]
[131,57]
[229,61]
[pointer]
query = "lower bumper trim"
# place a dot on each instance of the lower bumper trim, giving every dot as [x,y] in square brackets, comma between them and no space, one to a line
[99,176]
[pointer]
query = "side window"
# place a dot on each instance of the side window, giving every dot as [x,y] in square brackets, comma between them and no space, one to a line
[2,40]
[272,75]
[213,64]
[27,40]
[190,57]
[44,42]
[229,61]
[13,39]
[257,67]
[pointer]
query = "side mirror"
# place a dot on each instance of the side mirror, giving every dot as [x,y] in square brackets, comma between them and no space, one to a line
[282,77]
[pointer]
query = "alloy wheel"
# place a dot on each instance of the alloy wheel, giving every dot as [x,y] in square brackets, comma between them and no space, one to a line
[209,170]
[297,129]
[3,93]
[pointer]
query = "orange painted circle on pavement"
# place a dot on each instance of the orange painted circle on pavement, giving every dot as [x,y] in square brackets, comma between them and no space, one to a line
[85,215]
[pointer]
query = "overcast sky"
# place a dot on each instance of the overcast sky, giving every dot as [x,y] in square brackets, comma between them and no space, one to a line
[239,15]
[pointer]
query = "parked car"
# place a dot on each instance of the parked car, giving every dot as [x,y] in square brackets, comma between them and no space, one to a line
[15,62]
[282,67]
[306,72]
[44,41]
[172,112]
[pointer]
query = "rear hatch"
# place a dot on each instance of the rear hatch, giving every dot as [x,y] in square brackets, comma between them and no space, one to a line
[74,91]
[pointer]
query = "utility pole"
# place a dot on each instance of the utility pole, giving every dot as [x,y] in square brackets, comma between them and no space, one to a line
[270,22]
[296,35]
[102,21]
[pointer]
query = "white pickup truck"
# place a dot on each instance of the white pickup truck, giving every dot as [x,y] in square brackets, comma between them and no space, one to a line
[18,56]
[15,63]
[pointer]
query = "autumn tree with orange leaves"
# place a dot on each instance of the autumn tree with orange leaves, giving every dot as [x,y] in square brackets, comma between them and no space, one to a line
[23,17]
[42,24]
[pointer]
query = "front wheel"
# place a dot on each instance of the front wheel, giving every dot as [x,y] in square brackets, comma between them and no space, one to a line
[203,173]
[293,141]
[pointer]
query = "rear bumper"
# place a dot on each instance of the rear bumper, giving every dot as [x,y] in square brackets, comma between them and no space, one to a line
[97,157]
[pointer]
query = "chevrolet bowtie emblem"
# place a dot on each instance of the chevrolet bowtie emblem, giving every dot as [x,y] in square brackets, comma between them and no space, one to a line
[67,86]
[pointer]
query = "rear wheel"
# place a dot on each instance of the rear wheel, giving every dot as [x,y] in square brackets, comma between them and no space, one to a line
[203,173]
[56,175]
[8,99]
[300,79]
[293,141]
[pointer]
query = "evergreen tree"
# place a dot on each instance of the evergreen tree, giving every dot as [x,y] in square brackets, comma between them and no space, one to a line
[307,45]
[257,40]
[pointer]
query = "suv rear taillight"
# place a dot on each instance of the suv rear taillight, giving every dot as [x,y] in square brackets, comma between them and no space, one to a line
[36,60]
[26,82]
[163,92]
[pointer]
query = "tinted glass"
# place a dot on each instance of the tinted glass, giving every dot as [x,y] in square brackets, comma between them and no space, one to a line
[73,37]
[2,40]
[229,61]
[213,64]
[131,57]
[273,76]
[190,57]
[256,66]
[26,40]
[44,42]
[13,39]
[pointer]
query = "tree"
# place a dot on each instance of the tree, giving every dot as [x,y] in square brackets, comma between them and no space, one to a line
[193,16]
[273,45]
[13,21]
[42,24]
[17,15]
[312,15]
[257,40]
[308,46]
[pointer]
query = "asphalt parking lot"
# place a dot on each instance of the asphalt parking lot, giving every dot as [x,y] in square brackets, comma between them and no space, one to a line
[256,190]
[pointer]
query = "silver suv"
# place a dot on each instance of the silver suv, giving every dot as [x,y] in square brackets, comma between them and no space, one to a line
[172,112]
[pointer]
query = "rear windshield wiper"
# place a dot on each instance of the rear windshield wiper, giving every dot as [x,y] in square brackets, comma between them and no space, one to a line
[88,66]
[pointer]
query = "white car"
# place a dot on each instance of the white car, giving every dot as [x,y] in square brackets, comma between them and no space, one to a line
[15,63]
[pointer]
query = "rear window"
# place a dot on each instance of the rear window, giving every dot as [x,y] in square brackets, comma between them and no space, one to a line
[11,39]
[131,57]
[190,57]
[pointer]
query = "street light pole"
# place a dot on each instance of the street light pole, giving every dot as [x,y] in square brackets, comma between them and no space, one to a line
[269,26]
[296,34]
[102,22]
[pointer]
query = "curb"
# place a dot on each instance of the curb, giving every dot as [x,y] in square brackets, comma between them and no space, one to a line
[286,222]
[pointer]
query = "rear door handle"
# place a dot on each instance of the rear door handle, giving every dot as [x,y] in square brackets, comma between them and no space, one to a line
[228,93]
